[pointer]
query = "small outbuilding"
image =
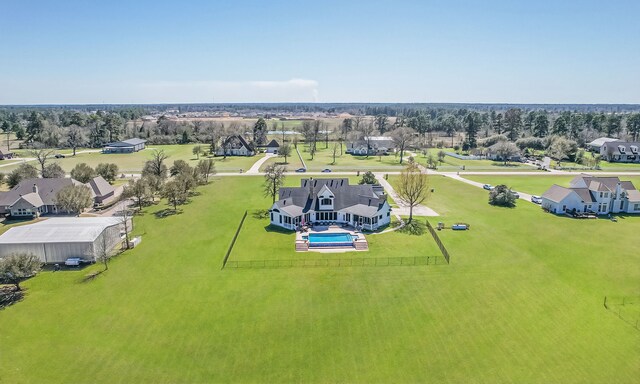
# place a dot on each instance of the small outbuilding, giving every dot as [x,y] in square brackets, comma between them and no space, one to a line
[272,147]
[5,155]
[57,239]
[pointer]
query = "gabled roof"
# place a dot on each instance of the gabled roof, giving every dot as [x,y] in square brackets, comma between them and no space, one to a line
[59,230]
[126,143]
[273,144]
[33,199]
[47,190]
[356,199]
[2,152]
[557,193]
[100,186]
[600,141]
[242,141]
[623,147]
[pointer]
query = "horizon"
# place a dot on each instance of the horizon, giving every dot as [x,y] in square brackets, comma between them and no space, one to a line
[462,52]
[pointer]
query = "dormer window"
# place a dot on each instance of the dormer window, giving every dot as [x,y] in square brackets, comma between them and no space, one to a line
[634,149]
[325,201]
[622,148]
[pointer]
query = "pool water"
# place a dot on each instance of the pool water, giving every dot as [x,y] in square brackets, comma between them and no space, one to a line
[334,238]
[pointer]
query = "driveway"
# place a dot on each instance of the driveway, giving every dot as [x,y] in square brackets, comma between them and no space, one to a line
[255,168]
[402,208]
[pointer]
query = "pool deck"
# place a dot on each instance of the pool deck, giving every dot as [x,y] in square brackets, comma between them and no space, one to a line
[360,243]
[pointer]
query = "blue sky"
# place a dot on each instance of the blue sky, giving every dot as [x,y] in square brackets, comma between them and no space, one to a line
[326,51]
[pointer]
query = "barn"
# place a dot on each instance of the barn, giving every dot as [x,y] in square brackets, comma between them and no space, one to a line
[56,239]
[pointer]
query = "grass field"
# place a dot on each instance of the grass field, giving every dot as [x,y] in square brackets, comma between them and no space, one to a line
[522,301]
[323,158]
[133,162]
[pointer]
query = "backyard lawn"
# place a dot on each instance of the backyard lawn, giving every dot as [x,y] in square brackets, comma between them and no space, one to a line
[323,158]
[521,301]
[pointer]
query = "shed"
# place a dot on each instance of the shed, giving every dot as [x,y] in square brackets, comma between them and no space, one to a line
[125,146]
[56,239]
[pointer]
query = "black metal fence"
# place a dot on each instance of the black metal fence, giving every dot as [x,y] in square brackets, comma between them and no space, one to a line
[343,262]
[627,308]
[233,241]
[444,251]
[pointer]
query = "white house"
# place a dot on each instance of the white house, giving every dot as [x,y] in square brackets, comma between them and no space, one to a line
[331,201]
[236,146]
[373,145]
[620,152]
[596,144]
[588,194]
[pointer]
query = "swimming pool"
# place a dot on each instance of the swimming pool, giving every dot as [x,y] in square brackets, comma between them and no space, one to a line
[339,239]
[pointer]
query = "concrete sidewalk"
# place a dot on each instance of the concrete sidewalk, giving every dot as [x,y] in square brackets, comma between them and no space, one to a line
[255,168]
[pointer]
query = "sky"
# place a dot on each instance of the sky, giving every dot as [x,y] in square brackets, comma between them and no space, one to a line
[507,51]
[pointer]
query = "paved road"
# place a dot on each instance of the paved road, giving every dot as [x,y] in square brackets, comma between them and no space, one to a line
[255,168]
[403,207]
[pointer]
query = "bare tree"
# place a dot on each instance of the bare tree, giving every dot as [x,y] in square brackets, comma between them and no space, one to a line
[403,137]
[75,137]
[156,165]
[285,150]
[337,147]
[367,130]
[102,252]
[413,187]
[205,168]
[273,180]
[42,155]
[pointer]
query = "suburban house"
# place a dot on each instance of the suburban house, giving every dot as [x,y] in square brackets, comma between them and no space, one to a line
[5,155]
[125,146]
[101,190]
[493,153]
[56,239]
[331,201]
[37,197]
[596,144]
[373,146]
[588,194]
[620,152]
[236,145]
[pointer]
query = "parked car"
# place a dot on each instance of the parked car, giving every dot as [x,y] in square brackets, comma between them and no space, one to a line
[488,187]
[59,156]
[73,262]
[536,199]
[515,194]
[326,170]
[301,170]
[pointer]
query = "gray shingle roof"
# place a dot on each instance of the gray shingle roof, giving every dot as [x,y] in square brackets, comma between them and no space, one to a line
[557,193]
[126,143]
[356,199]
[47,189]
[100,186]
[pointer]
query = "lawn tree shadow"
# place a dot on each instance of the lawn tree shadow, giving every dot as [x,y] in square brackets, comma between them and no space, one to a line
[9,296]
[167,212]
[260,214]
[276,229]
[415,228]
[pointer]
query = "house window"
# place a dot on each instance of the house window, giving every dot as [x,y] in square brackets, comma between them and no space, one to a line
[271,216]
[564,208]
[280,219]
[621,204]
[326,202]
[636,207]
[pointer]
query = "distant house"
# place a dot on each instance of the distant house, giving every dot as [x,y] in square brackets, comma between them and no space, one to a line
[236,145]
[34,197]
[620,152]
[596,144]
[372,146]
[125,146]
[589,194]
[331,201]
[493,154]
[101,190]
[5,155]
[272,147]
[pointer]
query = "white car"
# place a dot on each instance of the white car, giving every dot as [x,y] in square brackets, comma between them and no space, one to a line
[73,261]
[536,199]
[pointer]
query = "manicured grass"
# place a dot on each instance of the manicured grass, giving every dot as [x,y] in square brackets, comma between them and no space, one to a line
[522,301]
[323,158]
[134,162]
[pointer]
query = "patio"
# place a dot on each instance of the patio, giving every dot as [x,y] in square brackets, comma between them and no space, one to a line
[302,243]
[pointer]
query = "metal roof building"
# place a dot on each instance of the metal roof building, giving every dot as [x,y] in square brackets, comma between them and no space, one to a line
[56,239]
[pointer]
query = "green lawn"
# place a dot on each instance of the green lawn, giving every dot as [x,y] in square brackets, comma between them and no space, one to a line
[522,301]
[133,162]
[323,158]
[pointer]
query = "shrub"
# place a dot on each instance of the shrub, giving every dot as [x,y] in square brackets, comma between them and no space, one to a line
[502,196]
